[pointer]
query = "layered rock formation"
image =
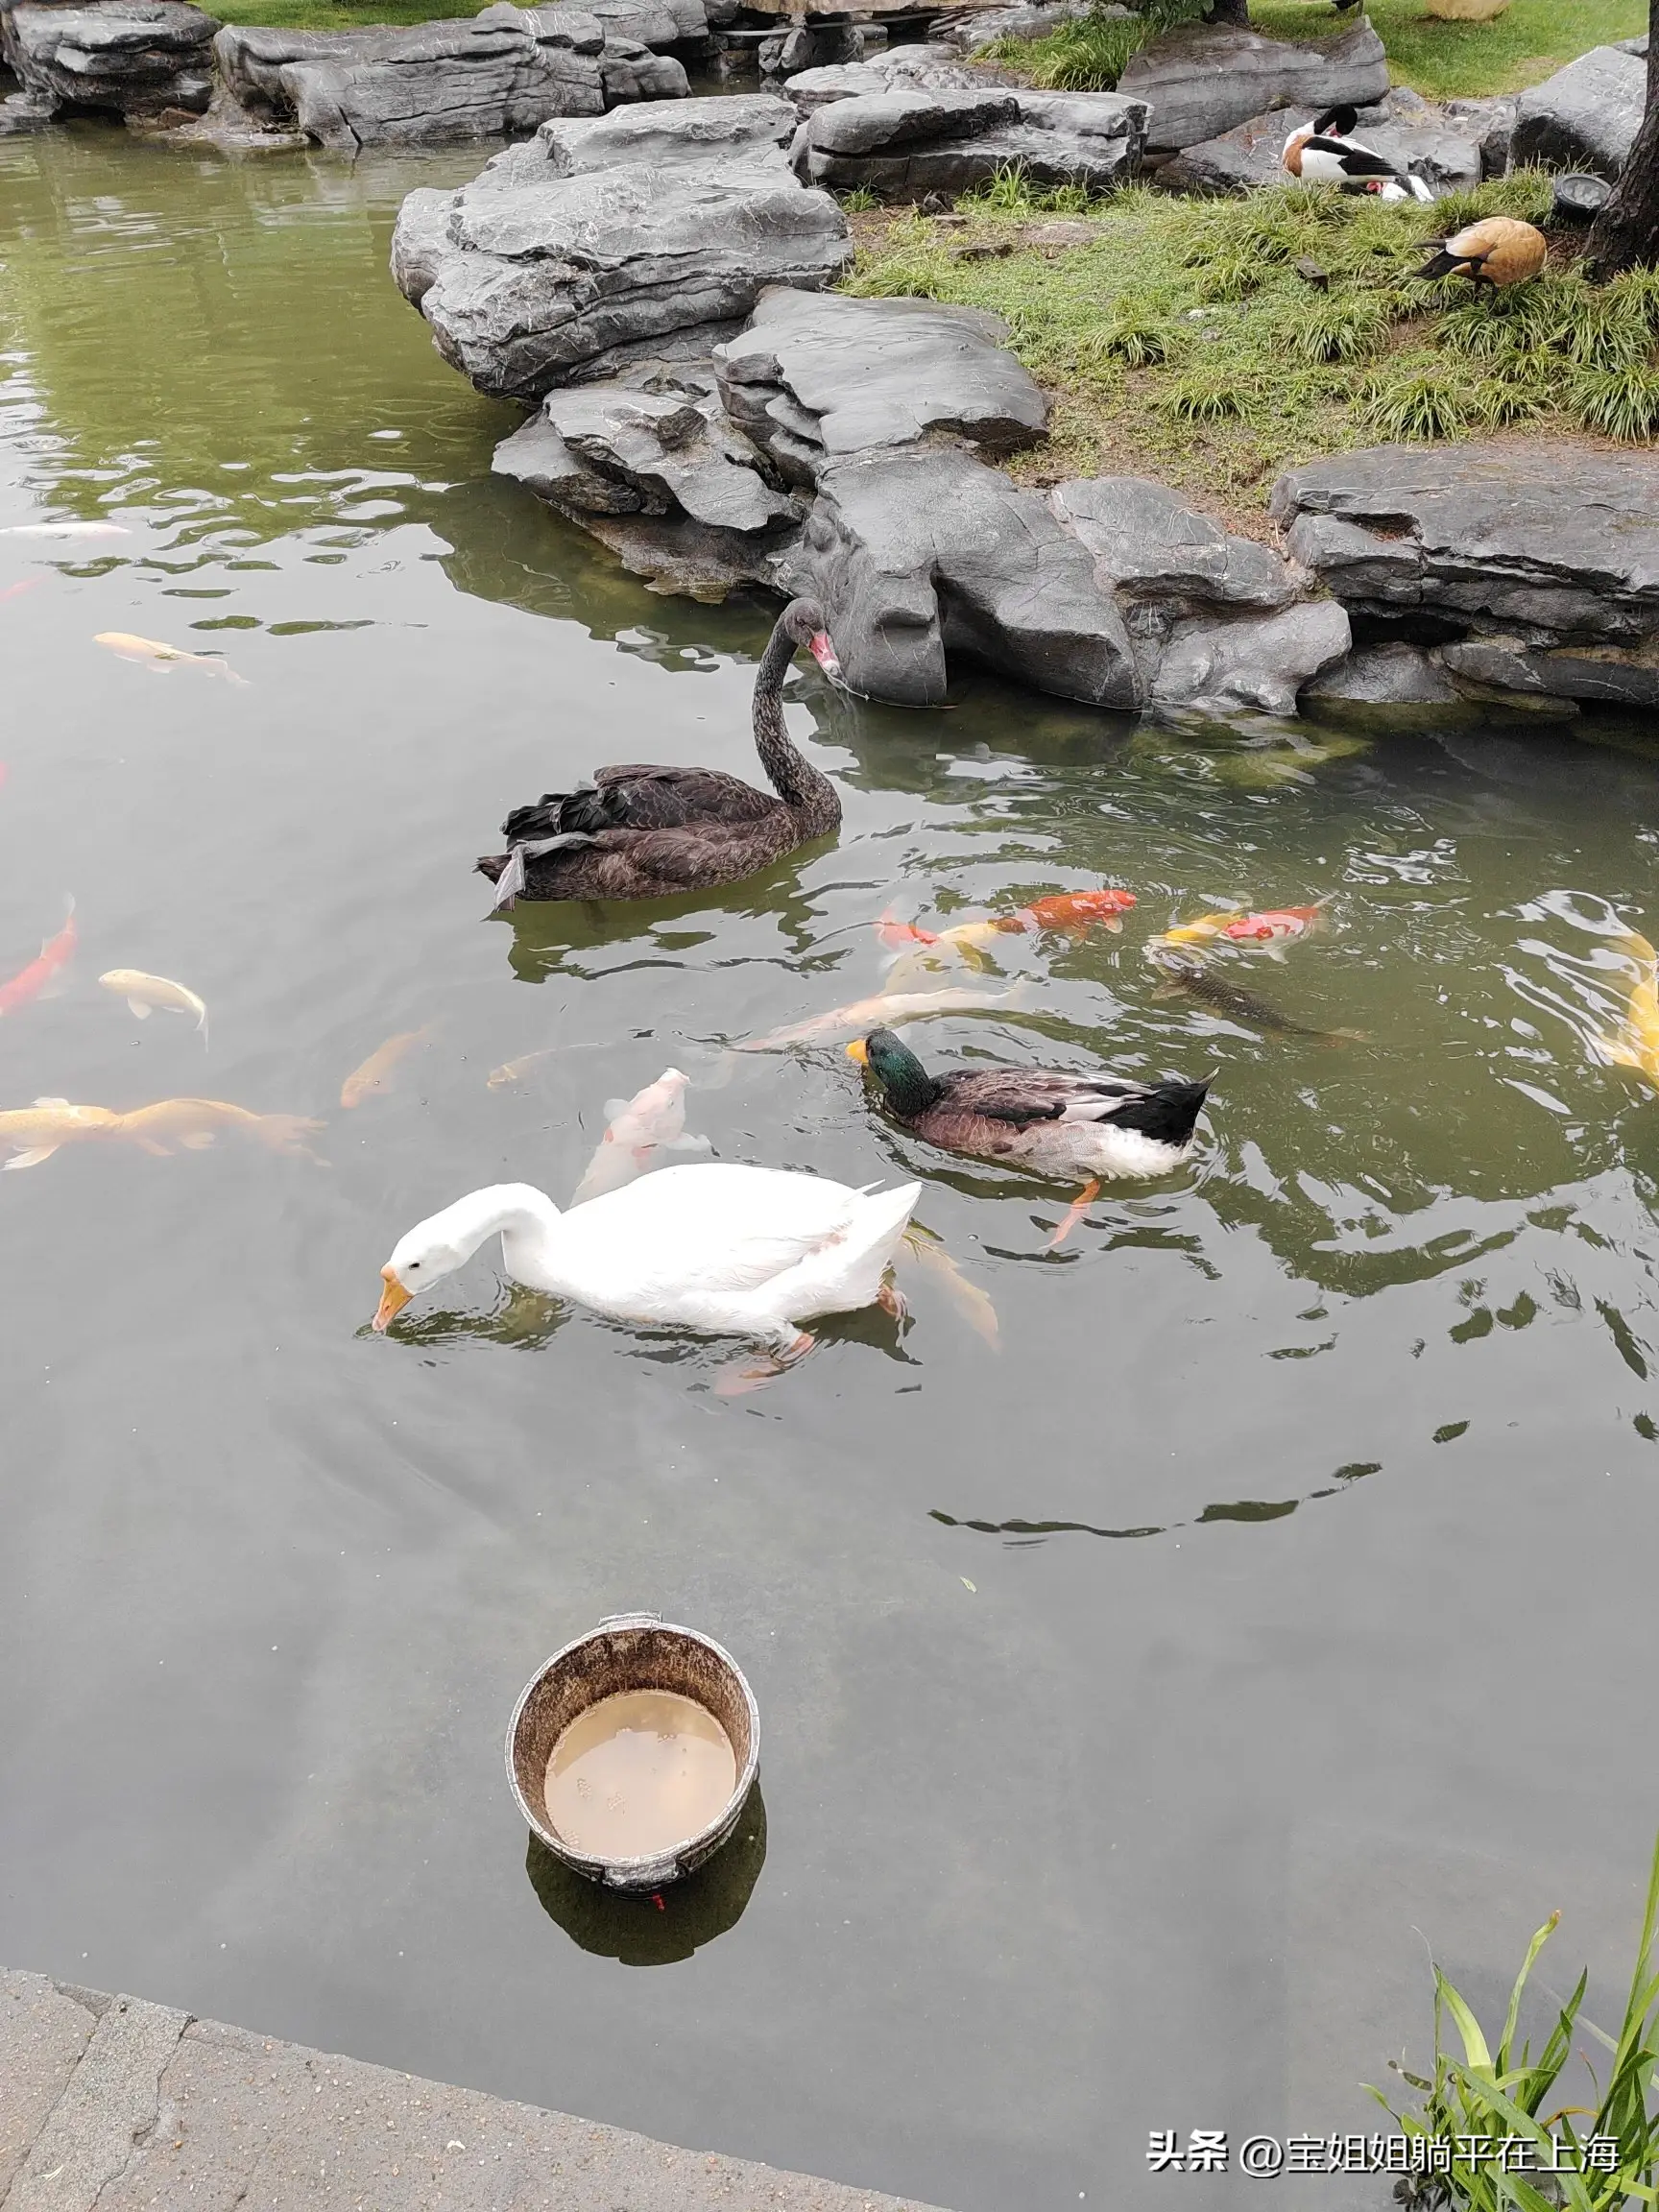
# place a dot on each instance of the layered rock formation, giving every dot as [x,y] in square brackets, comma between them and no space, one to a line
[1201,82]
[1450,148]
[141,58]
[907,143]
[569,256]
[1532,570]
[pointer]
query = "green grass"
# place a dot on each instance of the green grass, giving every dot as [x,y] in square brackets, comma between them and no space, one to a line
[334,16]
[1507,2094]
[1443,60]
[1181,340]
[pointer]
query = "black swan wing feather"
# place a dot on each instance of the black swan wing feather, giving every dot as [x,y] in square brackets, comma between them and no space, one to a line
[639,796]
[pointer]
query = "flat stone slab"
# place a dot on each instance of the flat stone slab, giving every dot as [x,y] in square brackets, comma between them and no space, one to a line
[701,130]
[1559,540]
[133,2107]
[1148,545]
[1586,116]
[815,376]
[904,143]
[1203,82]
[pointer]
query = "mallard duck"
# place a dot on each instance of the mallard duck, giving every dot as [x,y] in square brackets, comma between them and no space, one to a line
[1322,152]
[1052,1123]
[730,1250]
[1498,251]
[643,832]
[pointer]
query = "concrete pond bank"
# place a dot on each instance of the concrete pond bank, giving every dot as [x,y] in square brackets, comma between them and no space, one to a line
[118,2103]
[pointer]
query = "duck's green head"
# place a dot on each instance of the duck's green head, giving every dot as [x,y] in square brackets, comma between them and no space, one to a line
[908,1086]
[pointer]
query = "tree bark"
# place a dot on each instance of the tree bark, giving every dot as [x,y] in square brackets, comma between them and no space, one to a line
[1237,12]
[1626,232]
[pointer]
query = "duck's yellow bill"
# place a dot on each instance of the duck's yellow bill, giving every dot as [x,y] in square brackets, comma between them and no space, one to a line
[393,1300]
[859,1050]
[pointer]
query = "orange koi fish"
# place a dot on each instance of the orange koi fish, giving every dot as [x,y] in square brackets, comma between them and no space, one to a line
[1074,910]
[1273,927]
[29,982]
[17,590]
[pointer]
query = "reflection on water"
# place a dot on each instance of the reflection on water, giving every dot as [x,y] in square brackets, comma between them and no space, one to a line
[658,1928]
[277,1579]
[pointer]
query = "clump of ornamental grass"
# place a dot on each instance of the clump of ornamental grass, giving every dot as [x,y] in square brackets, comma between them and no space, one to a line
[1214,342]
[1508,2096]
[1091,54]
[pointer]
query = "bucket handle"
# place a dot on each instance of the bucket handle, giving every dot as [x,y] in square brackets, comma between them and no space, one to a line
[632,1621]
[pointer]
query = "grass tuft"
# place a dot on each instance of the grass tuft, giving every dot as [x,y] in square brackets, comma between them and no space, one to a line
[1177,338]
[1091,54]
[1506,2094]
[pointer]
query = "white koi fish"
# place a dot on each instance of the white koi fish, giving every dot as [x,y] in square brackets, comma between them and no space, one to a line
[143,993]
[639,1130]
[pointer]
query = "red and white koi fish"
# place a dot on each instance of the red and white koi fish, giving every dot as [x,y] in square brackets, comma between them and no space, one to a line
[1272,928]
[1072,911]
[640,1130]
[31,981]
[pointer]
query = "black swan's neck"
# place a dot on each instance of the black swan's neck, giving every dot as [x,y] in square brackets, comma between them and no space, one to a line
[807,793]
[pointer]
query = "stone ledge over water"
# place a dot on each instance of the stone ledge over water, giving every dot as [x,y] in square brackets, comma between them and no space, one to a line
[112,2103]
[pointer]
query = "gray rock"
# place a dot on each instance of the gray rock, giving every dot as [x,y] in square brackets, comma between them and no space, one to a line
[819,42]
[1216,667]
[23,114]
[616,449]
[904,145]
[1615,675]
[1149,546]
[1242,159]
[532,280]
[1586,116]
[815,377]
[632,72]
[1434,146]
[1201,82]
[905,69]
[697,130]
[1492,119]
[432,84]
[678,27]
[135,57]
[1579,198]
[1384,676]
[922,553]
[1556,541]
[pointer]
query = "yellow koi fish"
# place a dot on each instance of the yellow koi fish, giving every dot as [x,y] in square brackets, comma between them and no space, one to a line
[866,1014]
[193,1123]
[375,1075]
[969,1301]
[34,1133]
[1637,1044]
[514,1071]
[145,992]
[147,653]
[1200,931]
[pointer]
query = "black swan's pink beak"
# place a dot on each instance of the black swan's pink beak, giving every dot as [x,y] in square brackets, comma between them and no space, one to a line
[824,653]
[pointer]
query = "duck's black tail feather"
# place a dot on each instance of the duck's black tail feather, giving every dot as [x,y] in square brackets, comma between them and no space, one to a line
[1167,1112]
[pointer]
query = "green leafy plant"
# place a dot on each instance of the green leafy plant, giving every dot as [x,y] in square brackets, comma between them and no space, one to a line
[1506,2095]
[1140,337]
[1621,401]
[860,201]
[1209,395]
[1091,54]
[1337,327]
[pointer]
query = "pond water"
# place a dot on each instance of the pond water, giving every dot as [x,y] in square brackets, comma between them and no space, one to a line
[1281,1581]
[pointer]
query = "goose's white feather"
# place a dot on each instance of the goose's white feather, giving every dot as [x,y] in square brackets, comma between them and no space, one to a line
[717,1246]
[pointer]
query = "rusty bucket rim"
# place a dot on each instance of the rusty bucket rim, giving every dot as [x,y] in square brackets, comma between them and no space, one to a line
[653,1866]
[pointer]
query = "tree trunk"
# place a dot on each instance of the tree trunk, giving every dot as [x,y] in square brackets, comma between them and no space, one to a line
[1626,232]
[1237,12]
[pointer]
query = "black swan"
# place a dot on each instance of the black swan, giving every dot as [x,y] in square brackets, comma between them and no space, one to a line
[644,833]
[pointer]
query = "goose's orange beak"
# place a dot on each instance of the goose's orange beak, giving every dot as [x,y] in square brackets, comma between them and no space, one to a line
[393,1300]
[824,653]
[860,1051]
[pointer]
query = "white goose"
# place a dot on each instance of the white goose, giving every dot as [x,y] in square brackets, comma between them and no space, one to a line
[731,1250]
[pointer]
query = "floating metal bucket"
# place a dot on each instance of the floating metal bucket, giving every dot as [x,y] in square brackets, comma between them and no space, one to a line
[630,1651]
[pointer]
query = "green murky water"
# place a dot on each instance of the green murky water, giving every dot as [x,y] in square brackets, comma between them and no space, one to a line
[1278,1583]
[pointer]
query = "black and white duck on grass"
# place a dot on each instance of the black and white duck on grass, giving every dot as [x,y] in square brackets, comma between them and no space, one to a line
[1323,153]
[646,832]
[1049,1121]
